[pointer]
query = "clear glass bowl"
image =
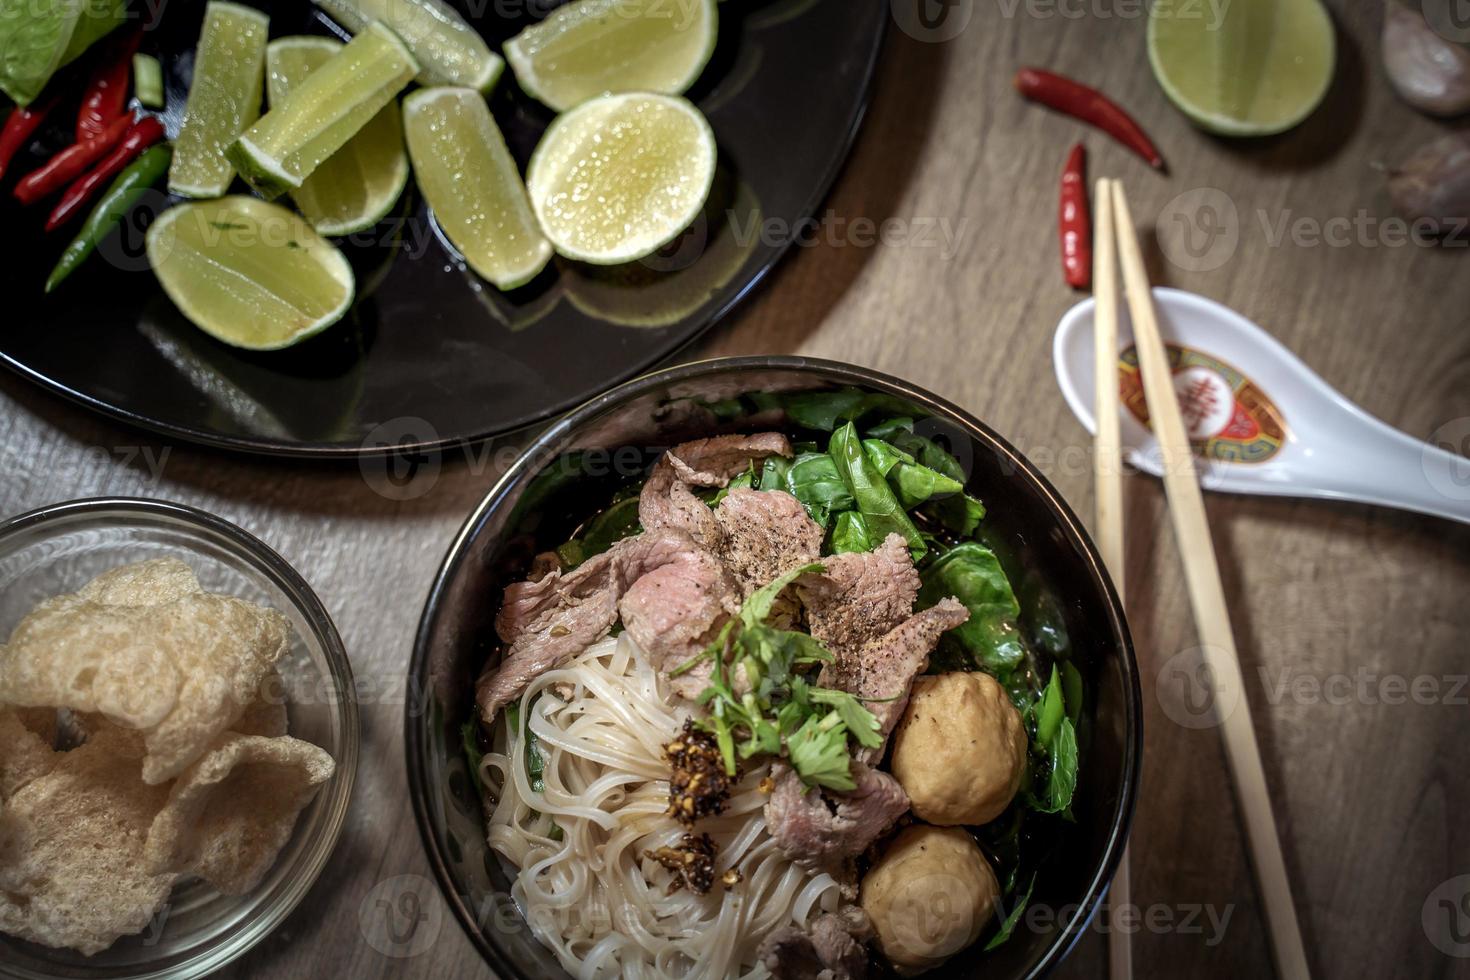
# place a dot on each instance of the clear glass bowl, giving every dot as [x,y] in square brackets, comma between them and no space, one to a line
[59,549]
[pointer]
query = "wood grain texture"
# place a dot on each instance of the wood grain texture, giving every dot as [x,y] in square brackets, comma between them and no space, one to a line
[1370,795]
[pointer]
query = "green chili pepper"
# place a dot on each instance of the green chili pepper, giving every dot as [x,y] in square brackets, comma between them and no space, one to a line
[125,191]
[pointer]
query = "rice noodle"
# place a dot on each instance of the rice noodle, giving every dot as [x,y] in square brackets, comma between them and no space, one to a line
[593,898]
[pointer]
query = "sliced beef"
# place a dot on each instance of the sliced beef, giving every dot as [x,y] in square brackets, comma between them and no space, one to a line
[884,669]
[860,596]
[547,622]
[667,501]
[827,829]
[765,533]
[674,611]
[834,947]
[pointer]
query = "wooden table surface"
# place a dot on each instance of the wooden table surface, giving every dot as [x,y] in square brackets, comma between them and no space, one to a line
[1332,600]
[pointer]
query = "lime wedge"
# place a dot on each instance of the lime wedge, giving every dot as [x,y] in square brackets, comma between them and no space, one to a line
[597,46]
[469,178]
[224,98]
[249,273]
[35,41]
[356,186]
[1250,68]
[619,177]
[448,50]
[321,114]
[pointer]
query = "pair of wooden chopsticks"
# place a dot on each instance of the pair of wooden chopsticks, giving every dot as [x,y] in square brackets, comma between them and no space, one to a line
[1201,571]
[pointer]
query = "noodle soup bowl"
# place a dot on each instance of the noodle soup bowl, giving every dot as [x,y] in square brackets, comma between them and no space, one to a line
[574,468]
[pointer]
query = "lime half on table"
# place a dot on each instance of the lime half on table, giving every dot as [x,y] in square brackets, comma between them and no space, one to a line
[469,178]
[1248,68]
[619,177]
[323,112]
[594,47]
[224,98]
[249,273]
[449,51]
[359,184]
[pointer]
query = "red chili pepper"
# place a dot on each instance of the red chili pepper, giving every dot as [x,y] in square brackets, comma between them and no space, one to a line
[19,126]
[69,164]
[1090,106]
[107,91]
[145,133]
[1075,222]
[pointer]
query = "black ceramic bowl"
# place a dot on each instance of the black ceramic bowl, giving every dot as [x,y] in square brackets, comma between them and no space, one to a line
[570,471]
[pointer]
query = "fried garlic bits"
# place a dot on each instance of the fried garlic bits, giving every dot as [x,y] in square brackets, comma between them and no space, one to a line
[183,769]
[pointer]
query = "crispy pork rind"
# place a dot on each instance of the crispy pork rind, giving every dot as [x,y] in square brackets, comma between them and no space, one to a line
[10,831]
[72,872]
[145,583]
[24,754]
[142,646]
[230,814]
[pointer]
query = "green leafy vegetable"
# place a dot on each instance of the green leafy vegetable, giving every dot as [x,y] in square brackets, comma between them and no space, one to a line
[951,508]
[1072,691]
[913,482]
[813,479]
[971,573]
[1008,925]
[773,473]
[616,522]
[859,720]
[876,501]
[1050,711]
[824,410]
[469,734]
[819,753]
[851,534]
[1061,781]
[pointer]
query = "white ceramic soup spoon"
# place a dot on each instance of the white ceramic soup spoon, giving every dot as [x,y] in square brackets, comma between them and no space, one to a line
[1262,421]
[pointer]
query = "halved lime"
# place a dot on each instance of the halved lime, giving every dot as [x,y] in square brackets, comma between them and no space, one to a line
[224,98]
[321,114]
[249,273]
[594,47]
[356,186]
[449,51]
[469,178]
[1248,68]
[619,177]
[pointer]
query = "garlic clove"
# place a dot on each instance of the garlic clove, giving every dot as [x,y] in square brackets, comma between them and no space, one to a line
[1429,72]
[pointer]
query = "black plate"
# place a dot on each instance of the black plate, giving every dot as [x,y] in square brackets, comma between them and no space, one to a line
[570,469]
[430,355]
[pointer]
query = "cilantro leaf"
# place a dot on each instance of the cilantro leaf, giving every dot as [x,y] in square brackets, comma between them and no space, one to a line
[858,720]
[818,753]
